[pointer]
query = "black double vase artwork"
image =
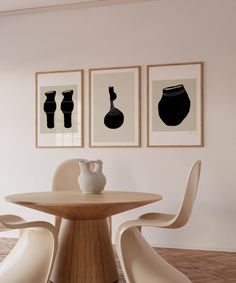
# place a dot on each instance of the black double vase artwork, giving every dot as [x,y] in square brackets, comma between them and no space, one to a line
[114,118]
[67,106]
[174,105]
[50,107]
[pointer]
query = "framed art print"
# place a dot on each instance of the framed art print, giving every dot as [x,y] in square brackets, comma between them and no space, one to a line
[114,107]
[59,108]
[175,105]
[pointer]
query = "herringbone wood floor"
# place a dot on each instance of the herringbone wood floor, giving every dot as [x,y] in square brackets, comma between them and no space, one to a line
[199,266]
[203,266]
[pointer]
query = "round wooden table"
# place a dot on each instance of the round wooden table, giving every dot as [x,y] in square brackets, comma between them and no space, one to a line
[85,252]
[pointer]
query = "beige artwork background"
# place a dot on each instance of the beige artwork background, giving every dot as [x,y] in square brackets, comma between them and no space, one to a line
[189,123]
[124,84]
[59,116]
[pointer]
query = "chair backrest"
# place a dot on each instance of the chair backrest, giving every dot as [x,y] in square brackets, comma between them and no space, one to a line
[189,197]
[66,176]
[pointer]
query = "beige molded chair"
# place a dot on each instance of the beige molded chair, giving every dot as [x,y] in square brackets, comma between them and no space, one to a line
[66,178]
[31,259]
[139,261]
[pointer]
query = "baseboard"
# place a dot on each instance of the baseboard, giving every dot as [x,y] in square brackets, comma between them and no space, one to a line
[200,248]
[70,6]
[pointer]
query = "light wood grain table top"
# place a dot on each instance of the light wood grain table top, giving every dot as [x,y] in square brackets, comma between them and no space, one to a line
[77,205]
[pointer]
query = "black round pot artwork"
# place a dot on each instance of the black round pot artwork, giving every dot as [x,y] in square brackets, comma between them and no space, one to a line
[67,106]
[114,118]
[174,105]
[50,107]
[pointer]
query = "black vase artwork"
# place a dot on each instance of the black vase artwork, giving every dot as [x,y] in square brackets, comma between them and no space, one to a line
[50,107]
[174,105]
[67,106]
[114,118]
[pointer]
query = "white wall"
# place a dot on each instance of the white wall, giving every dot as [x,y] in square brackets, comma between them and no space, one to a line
[152,32]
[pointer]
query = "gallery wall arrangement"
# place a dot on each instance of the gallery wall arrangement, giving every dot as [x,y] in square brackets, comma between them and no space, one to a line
[174,107]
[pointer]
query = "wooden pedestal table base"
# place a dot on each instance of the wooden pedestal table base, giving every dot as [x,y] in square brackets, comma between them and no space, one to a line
[85,254]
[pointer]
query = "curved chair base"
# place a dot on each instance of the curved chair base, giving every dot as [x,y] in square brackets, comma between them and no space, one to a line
[31,258]
[141,263]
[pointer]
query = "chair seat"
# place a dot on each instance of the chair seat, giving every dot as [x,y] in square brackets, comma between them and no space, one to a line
[159,219]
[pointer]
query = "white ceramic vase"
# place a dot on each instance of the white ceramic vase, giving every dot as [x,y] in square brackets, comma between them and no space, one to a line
[91,178]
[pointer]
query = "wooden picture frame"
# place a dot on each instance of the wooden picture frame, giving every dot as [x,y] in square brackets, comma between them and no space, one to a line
[59,109]
[114,107]
[175,105]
